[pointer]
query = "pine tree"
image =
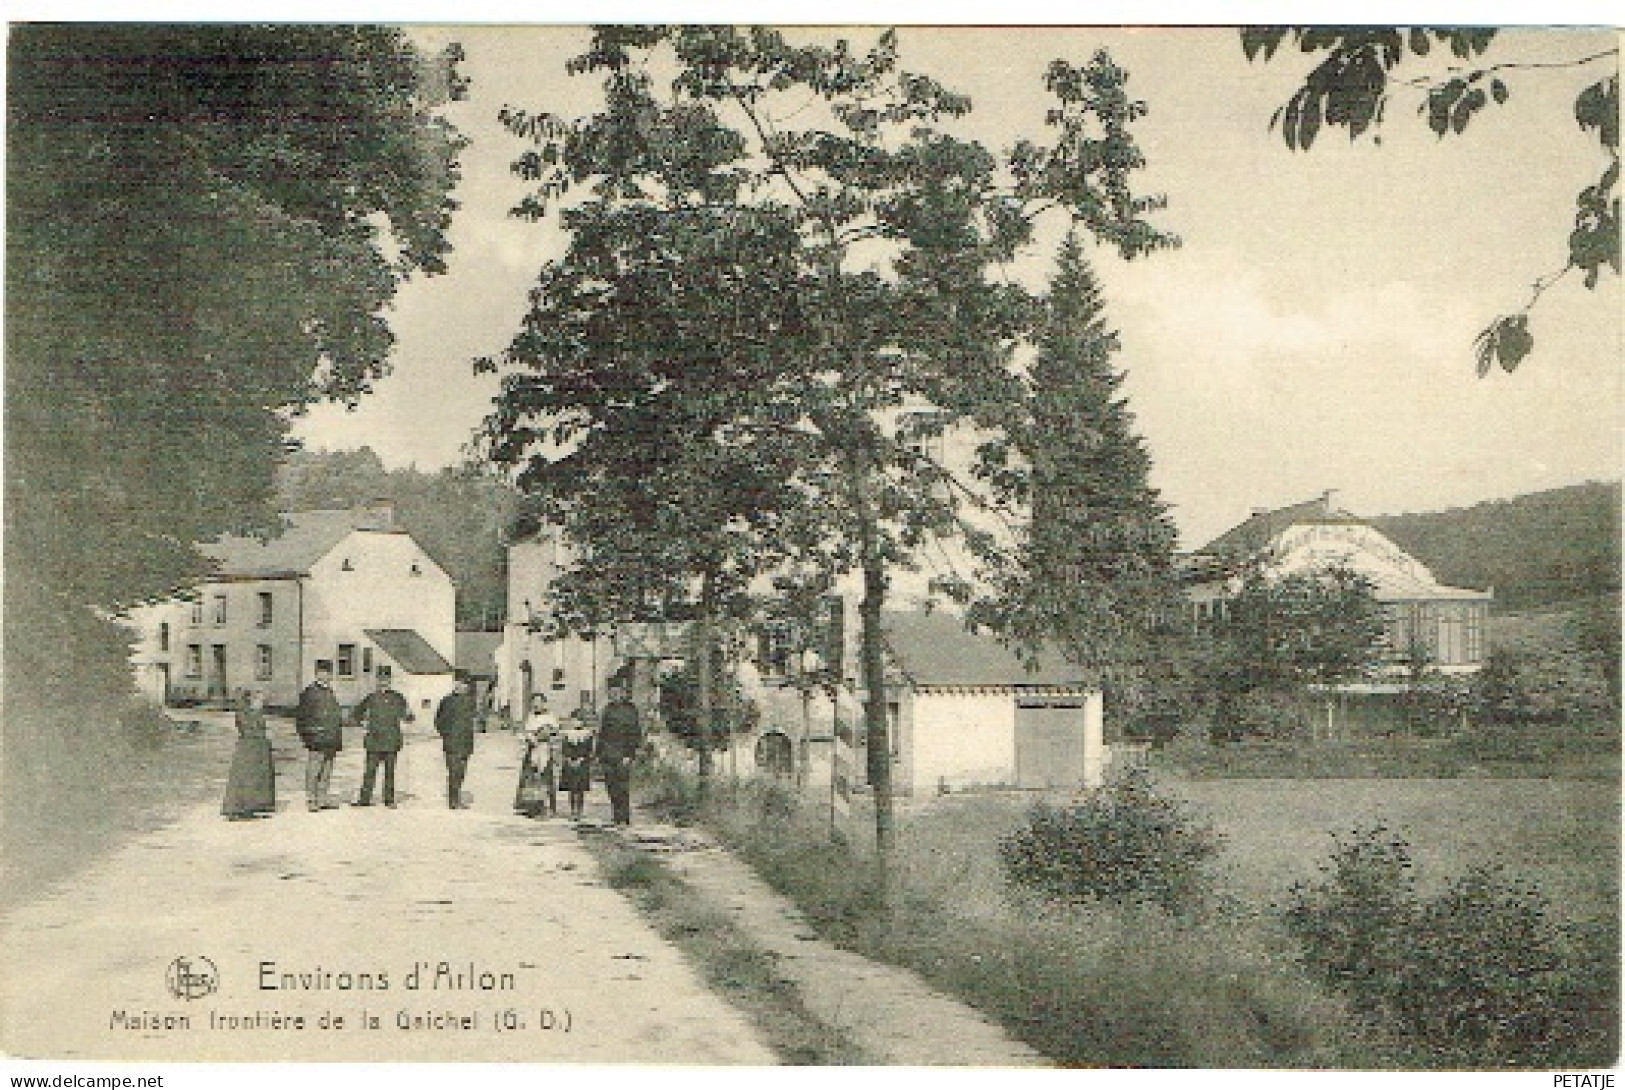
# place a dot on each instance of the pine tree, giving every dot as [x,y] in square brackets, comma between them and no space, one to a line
[1093,575]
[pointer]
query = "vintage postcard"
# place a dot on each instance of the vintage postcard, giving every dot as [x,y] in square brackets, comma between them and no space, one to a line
[728,546]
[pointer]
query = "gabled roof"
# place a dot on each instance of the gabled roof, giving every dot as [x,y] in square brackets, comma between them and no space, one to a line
[477,653]
[935,649]
[410,651]
[309,536]
[1261,528]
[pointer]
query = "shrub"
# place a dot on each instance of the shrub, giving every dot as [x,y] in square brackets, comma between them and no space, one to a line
[1558,688]
[1347,922]
[1271,713]
[1123,841]
[732,712]
[1435,704]
[1481,974]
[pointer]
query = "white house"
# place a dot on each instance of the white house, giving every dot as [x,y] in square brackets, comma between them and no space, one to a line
[964,711]
[528,659]
[1446,623]
[343,586]
[1442,626]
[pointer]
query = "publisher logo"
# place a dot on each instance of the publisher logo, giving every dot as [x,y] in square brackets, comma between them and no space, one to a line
[192,978]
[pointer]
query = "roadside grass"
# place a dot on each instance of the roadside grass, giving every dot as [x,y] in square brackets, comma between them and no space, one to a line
[1132,986]
[1563,835]
[1119,986]
[747,975]
[99,785]
[1573,755]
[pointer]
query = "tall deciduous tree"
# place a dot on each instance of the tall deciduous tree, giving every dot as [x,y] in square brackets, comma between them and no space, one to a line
[205,224]
[881,233]
[1355,75]
[649,425]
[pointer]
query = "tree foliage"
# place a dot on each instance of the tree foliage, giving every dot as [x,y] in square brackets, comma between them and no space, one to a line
[1282,633]
[780,247]
[1304,628]
[1092,570]
[1351,84]
[205,224]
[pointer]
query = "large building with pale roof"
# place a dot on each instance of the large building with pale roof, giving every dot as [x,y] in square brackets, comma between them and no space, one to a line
[345,586]
[1444,625]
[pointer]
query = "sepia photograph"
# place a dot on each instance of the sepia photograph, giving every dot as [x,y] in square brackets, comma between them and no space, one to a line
[726,545]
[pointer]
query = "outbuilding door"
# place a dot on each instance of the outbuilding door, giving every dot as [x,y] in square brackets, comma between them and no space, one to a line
[1049,742]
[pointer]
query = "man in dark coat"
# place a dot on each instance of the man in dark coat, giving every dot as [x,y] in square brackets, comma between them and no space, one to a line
[381,712]
[320,723]
[619,736]
[454,722]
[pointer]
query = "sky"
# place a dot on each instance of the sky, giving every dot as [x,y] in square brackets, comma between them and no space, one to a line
[1313,332]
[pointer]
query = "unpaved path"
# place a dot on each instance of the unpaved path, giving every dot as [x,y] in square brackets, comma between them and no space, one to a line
[889,1012]
[86,971]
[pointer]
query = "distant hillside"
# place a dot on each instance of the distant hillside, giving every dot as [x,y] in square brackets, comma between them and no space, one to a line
[1535,550]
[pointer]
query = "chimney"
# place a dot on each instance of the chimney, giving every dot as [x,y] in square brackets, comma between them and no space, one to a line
[375,515]
[1328,499]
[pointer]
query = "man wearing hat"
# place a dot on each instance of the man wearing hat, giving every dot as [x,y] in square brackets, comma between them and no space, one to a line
[454,722]
[381,712]
[320,723]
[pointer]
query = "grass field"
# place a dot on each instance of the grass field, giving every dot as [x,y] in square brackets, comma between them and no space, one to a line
[1564,835]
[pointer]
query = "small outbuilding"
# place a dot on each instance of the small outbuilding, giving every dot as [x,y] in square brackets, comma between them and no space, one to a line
[966,712]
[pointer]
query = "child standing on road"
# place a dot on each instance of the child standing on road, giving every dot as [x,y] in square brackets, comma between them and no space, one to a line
[575,760]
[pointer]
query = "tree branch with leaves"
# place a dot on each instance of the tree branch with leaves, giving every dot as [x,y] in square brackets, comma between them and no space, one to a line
[1355,75]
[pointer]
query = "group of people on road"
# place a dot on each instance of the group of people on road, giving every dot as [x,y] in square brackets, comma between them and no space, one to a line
[555,758]
[559,758]
[319,721]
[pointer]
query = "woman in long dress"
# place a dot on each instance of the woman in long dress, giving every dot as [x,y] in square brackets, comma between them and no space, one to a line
[251,784]
[537,793]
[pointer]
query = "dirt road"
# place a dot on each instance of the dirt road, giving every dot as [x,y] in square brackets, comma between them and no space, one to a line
[418,933]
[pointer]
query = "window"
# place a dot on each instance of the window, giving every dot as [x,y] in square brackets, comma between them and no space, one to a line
[346,566]
[1427,630]
[1473,638]
[219,609]
[1452,627]
[267,608]
[366,660]
[197,611]
[345,664]
[415,569]
[163,636]
[263,662]
[773,649]
[194,660]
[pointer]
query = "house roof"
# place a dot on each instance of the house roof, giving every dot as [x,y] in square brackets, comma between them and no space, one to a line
[477,653]
[1217,559]
[410,651]
[309,536]
[1261,527]
[935,649]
